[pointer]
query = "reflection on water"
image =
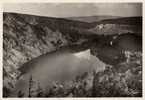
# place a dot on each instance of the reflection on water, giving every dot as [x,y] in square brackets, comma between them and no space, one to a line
[85,54]
[63,67]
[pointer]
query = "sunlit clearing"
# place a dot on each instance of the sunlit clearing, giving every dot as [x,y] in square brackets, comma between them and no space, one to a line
[84,54]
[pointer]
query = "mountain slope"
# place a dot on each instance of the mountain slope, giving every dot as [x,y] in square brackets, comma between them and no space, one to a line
[124,20]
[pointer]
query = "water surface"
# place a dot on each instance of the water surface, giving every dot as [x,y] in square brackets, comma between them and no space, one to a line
[63,67]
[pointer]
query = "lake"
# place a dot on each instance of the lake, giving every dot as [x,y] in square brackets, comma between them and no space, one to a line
[59,67]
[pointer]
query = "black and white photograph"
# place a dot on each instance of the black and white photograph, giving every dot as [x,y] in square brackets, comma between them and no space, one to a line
[73,50]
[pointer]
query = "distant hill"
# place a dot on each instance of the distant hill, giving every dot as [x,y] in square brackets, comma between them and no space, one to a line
[124,20]
[118,26]
[91,19]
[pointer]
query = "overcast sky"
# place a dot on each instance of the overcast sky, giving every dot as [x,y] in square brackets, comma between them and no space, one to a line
[76,9]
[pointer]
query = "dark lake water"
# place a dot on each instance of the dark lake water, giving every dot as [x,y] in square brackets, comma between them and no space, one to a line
[63,67]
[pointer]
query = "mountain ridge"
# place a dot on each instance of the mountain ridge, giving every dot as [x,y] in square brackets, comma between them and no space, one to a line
[92,18]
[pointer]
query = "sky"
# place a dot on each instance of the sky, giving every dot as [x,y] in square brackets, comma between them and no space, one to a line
[75,9]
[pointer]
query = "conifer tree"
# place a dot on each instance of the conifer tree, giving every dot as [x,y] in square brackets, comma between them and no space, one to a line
[31,82]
